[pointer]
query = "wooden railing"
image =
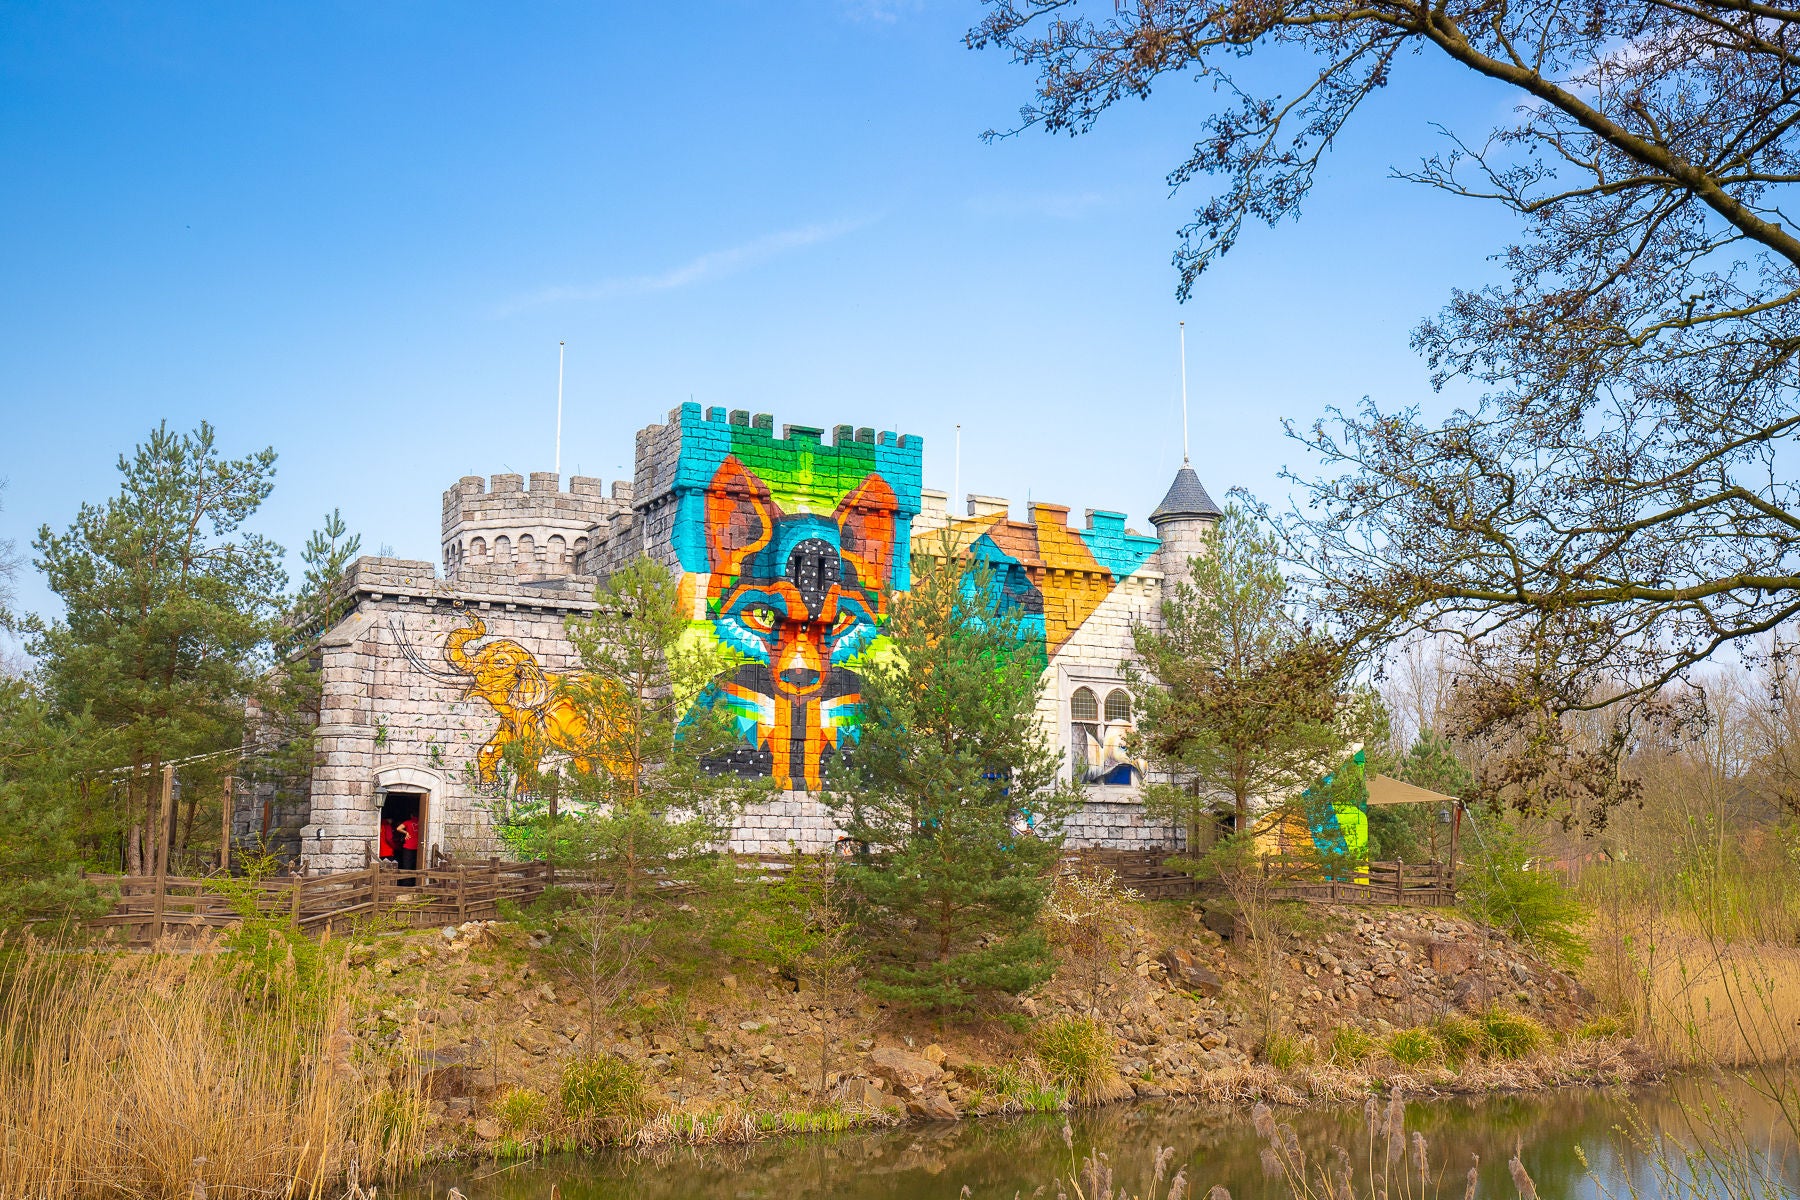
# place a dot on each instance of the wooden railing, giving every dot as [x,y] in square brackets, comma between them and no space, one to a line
[1143,871]
[1430,884]
[149,907]
[450,893]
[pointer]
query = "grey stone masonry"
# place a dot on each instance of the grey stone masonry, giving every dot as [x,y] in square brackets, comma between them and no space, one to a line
[396,715]
[400,713]
[543,532]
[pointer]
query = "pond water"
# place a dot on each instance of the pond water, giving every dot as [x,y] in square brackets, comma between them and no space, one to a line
[1001,1157]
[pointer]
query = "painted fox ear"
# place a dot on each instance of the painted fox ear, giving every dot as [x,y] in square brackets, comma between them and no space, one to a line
[865,522]
[740,516]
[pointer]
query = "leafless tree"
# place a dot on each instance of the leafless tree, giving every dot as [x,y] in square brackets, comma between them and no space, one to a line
[1621,489]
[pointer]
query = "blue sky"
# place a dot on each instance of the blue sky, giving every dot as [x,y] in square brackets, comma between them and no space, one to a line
[357,233]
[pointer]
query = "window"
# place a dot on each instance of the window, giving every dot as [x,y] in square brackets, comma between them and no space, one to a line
[557,553]
[477,548]
[503,549]
[1118,706]
[1083,707]
[1098,750]
[527,548]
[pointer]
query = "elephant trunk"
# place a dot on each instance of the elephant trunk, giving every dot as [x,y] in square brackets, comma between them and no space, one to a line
[453,645]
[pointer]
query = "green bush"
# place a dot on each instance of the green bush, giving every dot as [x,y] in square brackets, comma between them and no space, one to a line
[1012,1084]
[1077,1054]
[1511,1034]
[604,1097]
[522,1112]
[1042,1099]
[1284,1051]
[1460,1037]
[1349,1046]
[1411,1047]
[1605,1025]
[1505,887]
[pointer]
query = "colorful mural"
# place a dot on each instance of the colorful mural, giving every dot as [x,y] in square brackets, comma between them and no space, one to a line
[787,551]
[534,712]
[1058,575]
[789,548]
[1331,819]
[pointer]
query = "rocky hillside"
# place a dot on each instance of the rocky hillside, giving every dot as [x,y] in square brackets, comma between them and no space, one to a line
[476,1008]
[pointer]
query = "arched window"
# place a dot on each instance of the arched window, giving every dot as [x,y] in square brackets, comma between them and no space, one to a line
[1099,750]
[477,548]
[503,549]
[1083,706]
[527,548]
[557,550]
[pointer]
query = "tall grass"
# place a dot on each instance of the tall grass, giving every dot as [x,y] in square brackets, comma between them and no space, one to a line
[172,1074]
[1077,1054]
[605,1098]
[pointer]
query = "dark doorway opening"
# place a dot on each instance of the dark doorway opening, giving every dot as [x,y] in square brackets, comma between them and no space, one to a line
[403,829]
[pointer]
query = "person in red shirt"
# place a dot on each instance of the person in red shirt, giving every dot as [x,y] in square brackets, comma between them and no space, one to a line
[409,843]
[387,838]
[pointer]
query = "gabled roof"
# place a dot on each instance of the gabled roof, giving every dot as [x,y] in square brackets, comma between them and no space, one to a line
[1187,498]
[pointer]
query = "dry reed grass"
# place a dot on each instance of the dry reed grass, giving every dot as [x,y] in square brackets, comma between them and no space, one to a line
[1712,1004]
[1602,1060]
[179,1074]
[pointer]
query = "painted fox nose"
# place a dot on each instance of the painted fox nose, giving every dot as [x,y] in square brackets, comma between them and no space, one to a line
[800,677]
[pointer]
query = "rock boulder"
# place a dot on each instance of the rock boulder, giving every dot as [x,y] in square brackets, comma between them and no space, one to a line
[1186,973]
[912,1072]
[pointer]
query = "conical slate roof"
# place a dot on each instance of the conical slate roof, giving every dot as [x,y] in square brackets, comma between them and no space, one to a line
[1187,498]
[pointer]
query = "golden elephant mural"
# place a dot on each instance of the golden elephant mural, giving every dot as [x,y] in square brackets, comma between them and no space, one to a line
[538,714]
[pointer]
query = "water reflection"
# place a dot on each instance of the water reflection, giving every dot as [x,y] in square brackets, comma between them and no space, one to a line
[998,1158]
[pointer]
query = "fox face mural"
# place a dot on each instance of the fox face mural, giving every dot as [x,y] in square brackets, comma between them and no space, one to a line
[800,596]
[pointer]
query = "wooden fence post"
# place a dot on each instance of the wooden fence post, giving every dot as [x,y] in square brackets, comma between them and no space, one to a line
[295,916]
[162,848]
[462,894]
[1400,882]
[225,806]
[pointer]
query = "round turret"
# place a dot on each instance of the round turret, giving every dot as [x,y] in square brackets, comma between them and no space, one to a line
[1183,520]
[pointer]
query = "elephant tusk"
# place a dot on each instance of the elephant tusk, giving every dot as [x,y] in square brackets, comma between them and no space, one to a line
[418,660]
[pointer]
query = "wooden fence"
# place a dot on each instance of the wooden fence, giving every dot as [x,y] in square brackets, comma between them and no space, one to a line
[451,893]
[1140,870]
[149,907]
[1427,884]
[1430,884]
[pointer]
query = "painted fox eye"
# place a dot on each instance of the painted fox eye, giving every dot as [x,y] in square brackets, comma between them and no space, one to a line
[845,619]
[760,617]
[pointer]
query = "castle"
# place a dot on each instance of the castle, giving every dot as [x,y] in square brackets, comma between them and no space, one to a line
[786,550]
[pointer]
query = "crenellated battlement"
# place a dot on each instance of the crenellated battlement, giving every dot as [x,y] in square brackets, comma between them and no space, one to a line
[501,525]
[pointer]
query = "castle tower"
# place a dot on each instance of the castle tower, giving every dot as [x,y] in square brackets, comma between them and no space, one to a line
[1183,519]
[503,529]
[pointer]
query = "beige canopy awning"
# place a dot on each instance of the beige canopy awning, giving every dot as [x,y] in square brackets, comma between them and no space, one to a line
[1384,790]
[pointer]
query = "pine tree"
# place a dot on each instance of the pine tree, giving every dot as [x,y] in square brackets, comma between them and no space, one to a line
[328,554]
[46,789]
[170,611]
[1410,832]
[1240,702]
[957,795]
[797,921]
[645,809]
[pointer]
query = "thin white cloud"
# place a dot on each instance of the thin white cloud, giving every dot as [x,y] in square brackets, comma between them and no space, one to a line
[715,264]
[1060,206]
[885,12]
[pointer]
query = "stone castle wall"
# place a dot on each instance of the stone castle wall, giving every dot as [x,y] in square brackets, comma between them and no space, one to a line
[398,715]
